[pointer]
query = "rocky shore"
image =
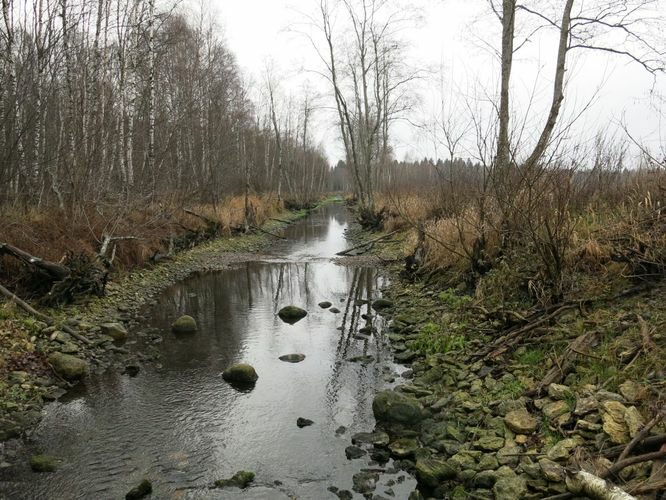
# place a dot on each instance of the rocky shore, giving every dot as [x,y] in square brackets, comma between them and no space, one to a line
[468,426]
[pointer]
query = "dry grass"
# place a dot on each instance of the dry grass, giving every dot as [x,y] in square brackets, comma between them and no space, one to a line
[51,235]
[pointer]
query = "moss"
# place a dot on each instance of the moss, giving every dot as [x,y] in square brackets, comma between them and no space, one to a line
[241,479]
[43,463]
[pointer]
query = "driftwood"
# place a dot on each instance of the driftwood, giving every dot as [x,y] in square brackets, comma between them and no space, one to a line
[40,316]
[595,487]
[207,220]
[107,241]
[367,243]
[53,269]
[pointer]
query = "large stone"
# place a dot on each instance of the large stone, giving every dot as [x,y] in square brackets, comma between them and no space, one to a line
[403,447]
[239,480]
[555,409]
[391,407]
[521,422]
[586,405]
[559,392]
[489,442]
[613,418]
[43,463]
[509,486]
[68,366]
[143,489]
[634,421]
[114,330]
[552,471]
[431,472]
[292,314]
[292,358]
[184,324]
[633,391]
[240,373]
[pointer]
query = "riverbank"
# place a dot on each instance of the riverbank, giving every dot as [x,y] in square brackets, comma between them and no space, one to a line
[505,404]
[30,375]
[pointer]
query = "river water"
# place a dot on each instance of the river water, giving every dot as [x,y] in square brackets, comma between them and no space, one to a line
[179,424]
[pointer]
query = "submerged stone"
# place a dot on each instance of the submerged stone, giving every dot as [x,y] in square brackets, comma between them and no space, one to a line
[68,366]
[184,324]
[334,310]
[239,480]
[43,463]
[380,304]
[325,305]
[292,358]
[144,488]
[365,482]
[240,373]
[292,314]
[431,472]
[354,452]
[303,422]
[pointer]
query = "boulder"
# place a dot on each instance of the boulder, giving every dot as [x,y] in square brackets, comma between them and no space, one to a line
[67,366]
[292,314]
[240,373]
[521,422]
[184,324]
[114,330]
[292,358]
[43,463]
[143,489]
[240,480]
[431,472]
[391,407]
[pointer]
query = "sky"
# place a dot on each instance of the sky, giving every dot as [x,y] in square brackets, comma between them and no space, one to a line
[451,42]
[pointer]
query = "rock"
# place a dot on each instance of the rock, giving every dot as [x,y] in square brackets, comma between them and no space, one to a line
[633,420]
[613,418]
[403,447]
[633,391]
[485,479]
[334,310]
[559,392]
[489,443]
[132,370]
[292,314]
[144,488]
[562,449]
[431,472]
[240,373]
[380,304]
[303,422]
[379,438]
[586,405]
[184,324]
[325,304]
[354,452]
[365,482]
[67,366]
[509,486]
[344,494]
[19,377]
[43,463]
[114,330]
[488,462]
[340,430]
[394,408]
[292,358]
[362,359]
[521,422]
[603,396]
[239,480]
[552,471]
[555,409]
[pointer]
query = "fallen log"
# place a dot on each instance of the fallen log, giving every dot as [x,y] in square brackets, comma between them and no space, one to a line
[367,243]
[207,220]
[595,487]
[649,443]
[53,269]
[40,316]
[256,228]
[108,240]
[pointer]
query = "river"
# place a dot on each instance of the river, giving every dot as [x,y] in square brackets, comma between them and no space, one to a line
[180,425]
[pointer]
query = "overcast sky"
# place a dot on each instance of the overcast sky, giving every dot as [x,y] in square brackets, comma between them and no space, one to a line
[453,35]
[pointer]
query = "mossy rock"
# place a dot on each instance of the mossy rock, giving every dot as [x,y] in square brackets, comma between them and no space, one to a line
[240,373]
[144,488]
[431,472]
[380,304]
[292,314]
[241,479]
[394,408]
[68,366]
[114,330]
[43,463]
[184,324]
